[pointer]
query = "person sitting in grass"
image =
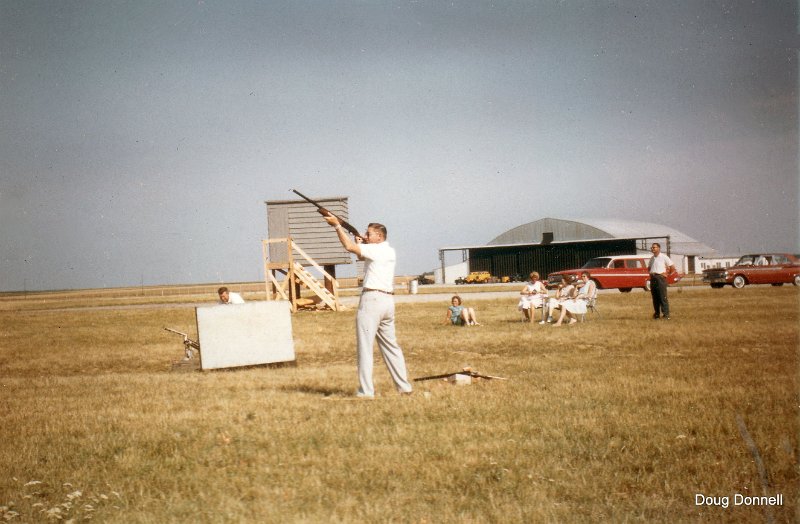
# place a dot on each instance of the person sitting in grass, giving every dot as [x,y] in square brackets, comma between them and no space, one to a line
[458,315]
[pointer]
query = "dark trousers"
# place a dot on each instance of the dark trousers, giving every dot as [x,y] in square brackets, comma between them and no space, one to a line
[658,289]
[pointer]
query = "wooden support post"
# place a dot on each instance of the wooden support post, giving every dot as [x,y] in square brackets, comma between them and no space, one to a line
[265,260]
[330,269]
[294,292]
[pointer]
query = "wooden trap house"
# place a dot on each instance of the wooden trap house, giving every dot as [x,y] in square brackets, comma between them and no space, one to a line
[300,243]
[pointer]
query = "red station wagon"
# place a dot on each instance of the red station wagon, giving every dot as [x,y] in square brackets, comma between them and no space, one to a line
[768,268]
[623,272]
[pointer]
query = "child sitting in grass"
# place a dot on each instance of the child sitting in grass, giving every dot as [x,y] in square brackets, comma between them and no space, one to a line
[458,315]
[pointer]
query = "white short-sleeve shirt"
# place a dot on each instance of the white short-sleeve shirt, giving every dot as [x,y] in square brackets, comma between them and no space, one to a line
[659,264]
[233,298]
[379,262]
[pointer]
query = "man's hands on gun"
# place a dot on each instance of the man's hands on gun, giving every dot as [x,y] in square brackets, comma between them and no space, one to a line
[333,220]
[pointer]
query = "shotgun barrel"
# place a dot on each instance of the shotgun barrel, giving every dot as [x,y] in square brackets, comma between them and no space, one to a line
[324,212]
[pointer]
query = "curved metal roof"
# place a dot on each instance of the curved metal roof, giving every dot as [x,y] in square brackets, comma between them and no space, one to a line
[570,229]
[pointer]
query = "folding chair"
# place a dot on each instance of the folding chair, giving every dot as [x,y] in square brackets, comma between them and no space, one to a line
[591,305]
[532,313]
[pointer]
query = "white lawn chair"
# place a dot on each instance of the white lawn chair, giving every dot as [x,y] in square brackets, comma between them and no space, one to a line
[532,313]
[591,305]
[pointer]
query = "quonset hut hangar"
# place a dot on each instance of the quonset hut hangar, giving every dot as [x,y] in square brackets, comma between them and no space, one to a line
[554,244]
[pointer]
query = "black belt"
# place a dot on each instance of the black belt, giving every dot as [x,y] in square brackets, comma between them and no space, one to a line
[366,289]
[657,275]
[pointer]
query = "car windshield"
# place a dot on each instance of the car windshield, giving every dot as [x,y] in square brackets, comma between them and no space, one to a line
[596,262]
[746,260]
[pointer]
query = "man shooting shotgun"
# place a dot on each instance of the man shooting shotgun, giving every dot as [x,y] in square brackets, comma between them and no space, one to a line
[324,212]
[375,317]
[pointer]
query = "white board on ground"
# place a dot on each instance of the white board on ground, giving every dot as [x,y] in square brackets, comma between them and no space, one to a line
[244,334]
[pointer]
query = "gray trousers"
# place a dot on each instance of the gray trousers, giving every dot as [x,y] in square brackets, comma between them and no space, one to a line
[375,319]
[658,290]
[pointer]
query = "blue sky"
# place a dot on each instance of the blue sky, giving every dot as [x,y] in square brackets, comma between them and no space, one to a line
[141,139]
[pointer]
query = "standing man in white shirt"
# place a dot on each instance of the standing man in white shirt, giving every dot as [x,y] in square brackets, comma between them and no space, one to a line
[375,317]
[228,297]
[660,268]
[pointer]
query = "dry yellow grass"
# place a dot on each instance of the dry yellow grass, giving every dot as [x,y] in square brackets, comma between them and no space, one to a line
[620,418]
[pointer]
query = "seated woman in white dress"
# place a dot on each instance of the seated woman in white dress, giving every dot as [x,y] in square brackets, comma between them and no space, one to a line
[566,291]
[589,289]
[532,297]
[576,305]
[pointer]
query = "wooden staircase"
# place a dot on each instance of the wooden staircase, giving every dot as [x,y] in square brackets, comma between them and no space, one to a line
[296,276]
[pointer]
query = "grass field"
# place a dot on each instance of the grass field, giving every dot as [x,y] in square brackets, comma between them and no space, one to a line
[617,419]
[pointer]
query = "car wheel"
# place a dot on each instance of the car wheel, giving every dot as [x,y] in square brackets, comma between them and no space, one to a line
[796,280]
[647,286]
[717,286]
[778,284]
[739,282]
[624,290]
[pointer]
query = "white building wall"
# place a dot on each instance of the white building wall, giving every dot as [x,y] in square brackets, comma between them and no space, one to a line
[715,262]
[453,272]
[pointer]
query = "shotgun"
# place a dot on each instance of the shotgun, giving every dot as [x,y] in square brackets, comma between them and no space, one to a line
[324,212]
[466,371]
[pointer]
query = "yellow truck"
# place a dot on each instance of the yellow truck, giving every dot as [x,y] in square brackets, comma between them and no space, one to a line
[478,277]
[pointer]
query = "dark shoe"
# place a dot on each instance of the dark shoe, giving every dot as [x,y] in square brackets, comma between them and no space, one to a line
[666,317]
[655,316]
